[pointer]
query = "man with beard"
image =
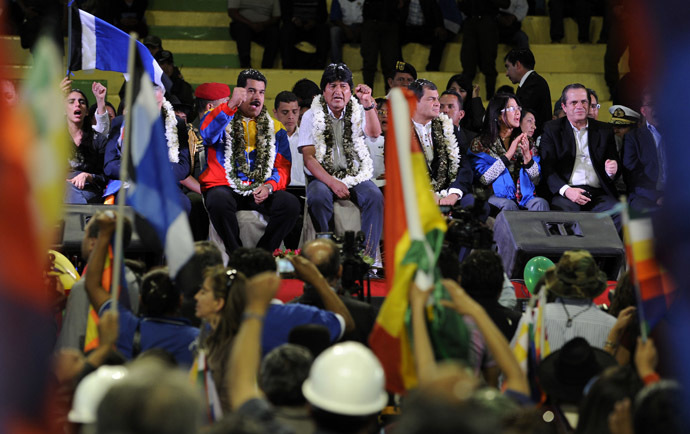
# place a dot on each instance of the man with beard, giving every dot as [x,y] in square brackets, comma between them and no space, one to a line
[336,158]
[177,141]
[248,156]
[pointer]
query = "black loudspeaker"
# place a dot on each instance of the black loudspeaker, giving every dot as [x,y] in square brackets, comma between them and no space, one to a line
[522,235]
[71,228]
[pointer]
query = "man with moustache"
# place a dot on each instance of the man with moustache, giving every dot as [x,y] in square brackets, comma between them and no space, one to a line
[248,156]
[336,157]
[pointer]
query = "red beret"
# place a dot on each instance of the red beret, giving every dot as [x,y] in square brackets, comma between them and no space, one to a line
[212,91]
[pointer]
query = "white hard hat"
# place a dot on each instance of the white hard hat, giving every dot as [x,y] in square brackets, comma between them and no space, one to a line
[346,379]
[91,391]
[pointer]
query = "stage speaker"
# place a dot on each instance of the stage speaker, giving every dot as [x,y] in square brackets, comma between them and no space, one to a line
[522,235]
[71,228]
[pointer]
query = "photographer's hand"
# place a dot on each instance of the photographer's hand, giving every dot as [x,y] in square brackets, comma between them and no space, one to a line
[307,272]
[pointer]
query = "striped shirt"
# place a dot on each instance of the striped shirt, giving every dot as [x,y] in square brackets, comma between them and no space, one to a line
[588,322]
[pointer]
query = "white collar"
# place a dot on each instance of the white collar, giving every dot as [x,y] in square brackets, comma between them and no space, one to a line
[330,112]
[524,77]
[424,126]
[575,128]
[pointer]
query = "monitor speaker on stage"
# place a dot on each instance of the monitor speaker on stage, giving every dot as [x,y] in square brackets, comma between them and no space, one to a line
[522,235]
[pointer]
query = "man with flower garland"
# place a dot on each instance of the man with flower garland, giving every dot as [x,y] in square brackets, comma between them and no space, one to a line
[248,156]
[450,170]
[176,138]
[336,157]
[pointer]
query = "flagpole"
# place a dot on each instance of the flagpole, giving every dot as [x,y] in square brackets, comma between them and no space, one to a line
[69,36]
[402,126]
[124,162]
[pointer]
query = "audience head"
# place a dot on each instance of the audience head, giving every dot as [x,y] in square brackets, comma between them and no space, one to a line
[109,108]
[76,107]
[462,85]
[159,295]
[518,62]
[575,103]
[91,234]
[286,110]
[221,301]
[153,43]
[325,254]
[661,408]
[428,106]
[382,113]
[8,93]
[191,275]
[647,107]
[282,372]
[402,75]
[336,84]
[613,385]
[575,276]
[502,113]
[255,83]
[152,398]
[623,296]
[345,388]
[90,392]
[594,105]
[251,261]
[528,123]
[481,274]
[166,62]
[452,106]
[564,374]
[305,90]
[210,95]
[558,110]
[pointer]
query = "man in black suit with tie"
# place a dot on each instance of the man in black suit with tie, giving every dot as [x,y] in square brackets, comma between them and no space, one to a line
[533,90]
[644,161]
[451,105]
[579,158]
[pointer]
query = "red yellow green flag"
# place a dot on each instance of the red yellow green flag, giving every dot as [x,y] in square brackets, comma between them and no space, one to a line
[413,235]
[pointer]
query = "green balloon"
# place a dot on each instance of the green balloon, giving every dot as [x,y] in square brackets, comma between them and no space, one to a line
[534,270]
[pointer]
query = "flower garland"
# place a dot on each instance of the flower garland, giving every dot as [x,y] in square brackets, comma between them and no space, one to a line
[171,132]
[360,166]
[236,161]
[447,151]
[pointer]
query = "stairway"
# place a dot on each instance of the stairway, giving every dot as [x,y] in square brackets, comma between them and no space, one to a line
[197,34]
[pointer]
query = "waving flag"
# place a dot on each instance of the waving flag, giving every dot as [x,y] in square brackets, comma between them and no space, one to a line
[414,230]
[95,44]
[153,189]
[655,290]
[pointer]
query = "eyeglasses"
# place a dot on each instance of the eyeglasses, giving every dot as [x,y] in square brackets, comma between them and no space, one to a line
[230,274]
[596,106]
[511,109]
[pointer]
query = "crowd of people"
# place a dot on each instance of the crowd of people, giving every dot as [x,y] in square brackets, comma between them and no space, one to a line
[305,366]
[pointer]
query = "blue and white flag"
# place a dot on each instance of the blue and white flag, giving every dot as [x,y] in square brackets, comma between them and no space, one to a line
[153,191]
[96,44]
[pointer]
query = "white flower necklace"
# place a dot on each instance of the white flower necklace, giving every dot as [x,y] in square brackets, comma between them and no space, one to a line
[360,164]
[236,162]
[447,151]
[171,132]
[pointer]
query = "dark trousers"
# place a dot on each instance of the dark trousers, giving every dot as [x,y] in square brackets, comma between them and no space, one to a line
[366,195]
[580,10]
[378,37]
[425,35]
[244,35]
[601,201]
[319,36]
[479,48]
[281,210]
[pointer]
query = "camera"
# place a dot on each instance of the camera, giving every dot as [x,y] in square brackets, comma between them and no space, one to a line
[355,268]
[465,228]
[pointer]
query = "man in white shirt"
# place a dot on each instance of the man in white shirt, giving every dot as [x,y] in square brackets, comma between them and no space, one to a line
[336,158]
[286,110]
[579,158]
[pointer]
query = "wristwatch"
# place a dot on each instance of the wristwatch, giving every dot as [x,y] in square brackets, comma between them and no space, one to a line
[373,105]
[270,188]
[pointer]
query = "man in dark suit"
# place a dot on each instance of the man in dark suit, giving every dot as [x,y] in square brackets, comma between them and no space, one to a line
[533,90]
[325,254]
[644,161]
[579,158]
